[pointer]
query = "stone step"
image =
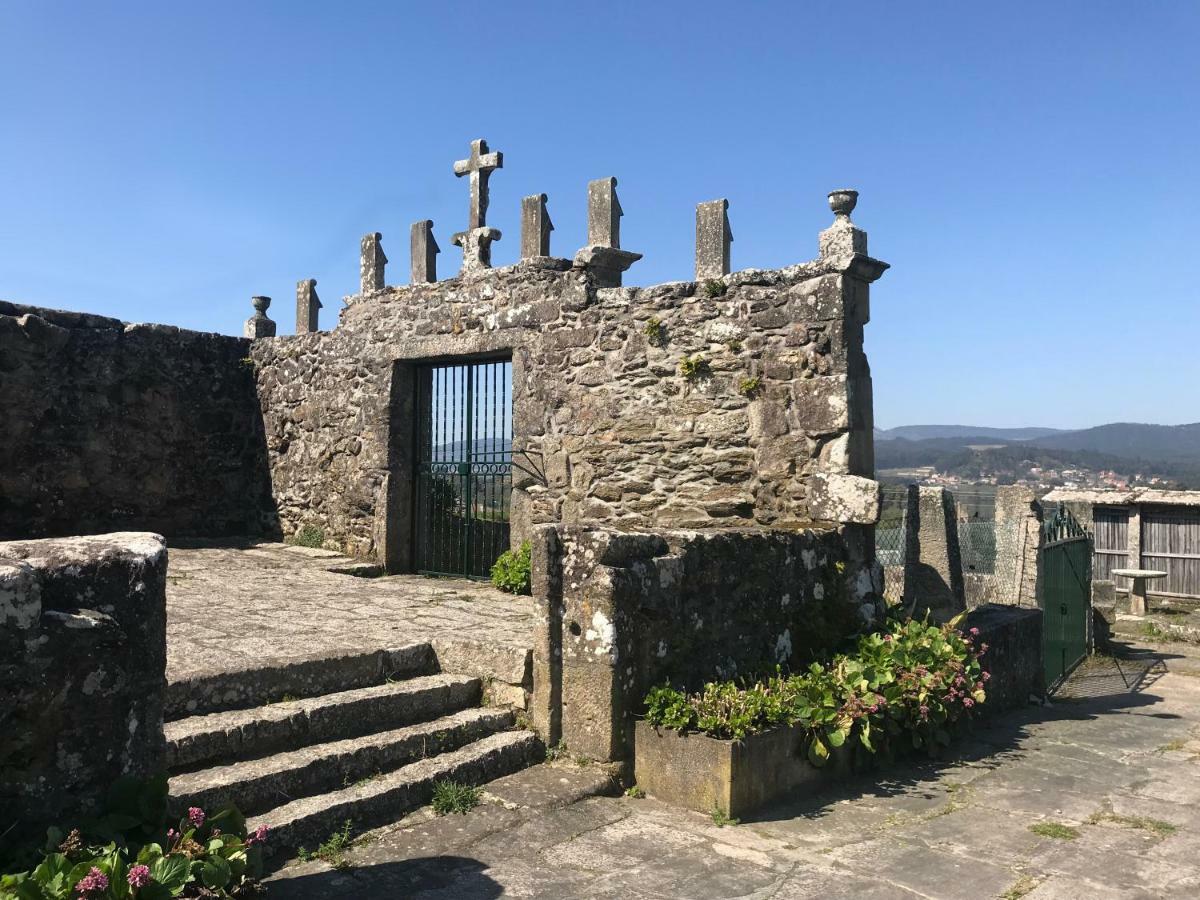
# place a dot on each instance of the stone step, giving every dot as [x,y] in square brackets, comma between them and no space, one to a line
[251,733]
[259,784]
[311,820]
[271,682]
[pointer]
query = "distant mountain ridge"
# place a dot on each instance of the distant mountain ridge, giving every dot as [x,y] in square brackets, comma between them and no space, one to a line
[933,432]
[1127,440]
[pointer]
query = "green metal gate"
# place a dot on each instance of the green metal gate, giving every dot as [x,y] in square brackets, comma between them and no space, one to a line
[1065,593]
[464,467]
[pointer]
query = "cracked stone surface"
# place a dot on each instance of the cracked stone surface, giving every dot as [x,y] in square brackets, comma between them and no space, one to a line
[232,608]
[1116,758]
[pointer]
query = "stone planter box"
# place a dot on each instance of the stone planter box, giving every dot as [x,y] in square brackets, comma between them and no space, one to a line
[704,773]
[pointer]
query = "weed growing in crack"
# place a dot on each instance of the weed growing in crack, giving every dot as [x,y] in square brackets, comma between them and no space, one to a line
[1055,830]
[333,850]
[721,818]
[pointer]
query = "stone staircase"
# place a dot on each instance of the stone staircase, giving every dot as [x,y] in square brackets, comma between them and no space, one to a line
[304,746]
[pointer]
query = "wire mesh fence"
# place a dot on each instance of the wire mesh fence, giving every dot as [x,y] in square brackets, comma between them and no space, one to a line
[891,540]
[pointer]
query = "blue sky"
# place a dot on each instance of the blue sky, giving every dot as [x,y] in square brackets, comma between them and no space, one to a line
[1029,170]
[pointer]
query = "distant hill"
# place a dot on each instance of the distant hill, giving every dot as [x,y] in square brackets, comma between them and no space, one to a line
[1131,440]
[935,432]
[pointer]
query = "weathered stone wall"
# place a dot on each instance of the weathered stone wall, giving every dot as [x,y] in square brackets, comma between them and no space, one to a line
[107,426]
[82,671]
[623,611]
[607,428]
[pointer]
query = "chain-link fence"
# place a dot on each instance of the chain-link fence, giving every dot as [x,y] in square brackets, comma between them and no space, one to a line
[989,550]
[891,540]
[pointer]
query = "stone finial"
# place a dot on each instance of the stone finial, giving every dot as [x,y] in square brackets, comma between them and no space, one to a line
[843,238]
[479,166]
[603,256]
[604,213]
[373,263]
[424,253]
[535,227]
[307,304]
[476,241]
[713,238]
[258,325]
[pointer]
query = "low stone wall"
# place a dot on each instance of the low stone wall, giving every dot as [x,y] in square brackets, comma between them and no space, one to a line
[621,612]
[1014,655]
[106,426]
[82,672]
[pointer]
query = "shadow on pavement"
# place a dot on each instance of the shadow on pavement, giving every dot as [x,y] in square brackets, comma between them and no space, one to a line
[425,878]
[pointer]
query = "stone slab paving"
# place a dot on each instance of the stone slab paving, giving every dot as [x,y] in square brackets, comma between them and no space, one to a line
[233,608]
[1115,760]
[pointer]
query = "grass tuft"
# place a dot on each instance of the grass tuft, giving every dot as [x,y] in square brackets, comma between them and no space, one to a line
[1055,830]
[455,797]
[1157,827]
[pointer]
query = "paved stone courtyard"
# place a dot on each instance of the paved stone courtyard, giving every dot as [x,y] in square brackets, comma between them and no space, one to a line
[1111,766]
[233,608]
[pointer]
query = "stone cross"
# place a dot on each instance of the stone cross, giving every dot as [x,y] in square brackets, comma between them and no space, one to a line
[424,251]
[713,238]
[604,213]
[307,304]
[258,325]
[476,241]
[535,227]
[372,263]
[479,165]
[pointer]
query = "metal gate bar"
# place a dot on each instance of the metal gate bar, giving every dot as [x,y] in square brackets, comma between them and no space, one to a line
[464,467]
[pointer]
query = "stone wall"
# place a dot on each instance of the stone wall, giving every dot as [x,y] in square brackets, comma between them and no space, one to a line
[621,612]
[607,427]
[106,426]
[82,672]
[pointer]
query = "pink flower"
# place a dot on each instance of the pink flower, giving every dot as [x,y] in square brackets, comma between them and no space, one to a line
[196,816]
[887,637]
[974,632]
[258,835]
[172,835]
[968,702]
[139,876]
[924,712]
[94,880]
[986,676]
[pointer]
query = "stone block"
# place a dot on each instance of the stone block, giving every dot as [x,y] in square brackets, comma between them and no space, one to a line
[83,691]
[1013,659]
[844,499]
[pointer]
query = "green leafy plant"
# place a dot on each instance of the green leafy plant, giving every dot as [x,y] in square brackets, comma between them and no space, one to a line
[635,793]
[512,572]
[750,387]
[333,849]
[902,688]
[733,345]
[308,536]
[714,288]
[455,797]
[694,368]
[655,332]
[133,852]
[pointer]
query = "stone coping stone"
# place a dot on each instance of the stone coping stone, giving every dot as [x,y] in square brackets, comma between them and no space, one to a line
[706,773]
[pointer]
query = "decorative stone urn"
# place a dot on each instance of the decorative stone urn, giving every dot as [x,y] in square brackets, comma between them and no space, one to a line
[842,202]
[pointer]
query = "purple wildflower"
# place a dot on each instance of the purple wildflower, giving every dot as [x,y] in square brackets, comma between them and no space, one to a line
[196,816]
[139,876]
[94,880]
[258,836]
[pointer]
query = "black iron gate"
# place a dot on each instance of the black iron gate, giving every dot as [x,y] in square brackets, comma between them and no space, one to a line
[1066,593]
[464,467]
